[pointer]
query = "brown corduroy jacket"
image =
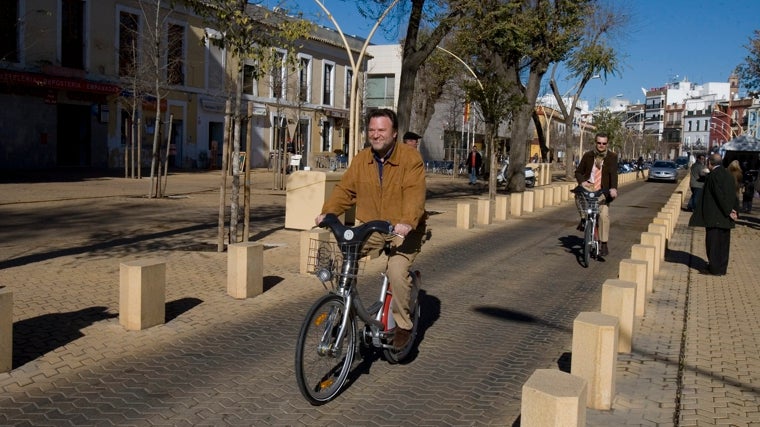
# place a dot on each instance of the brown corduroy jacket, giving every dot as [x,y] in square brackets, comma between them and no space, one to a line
[399,198]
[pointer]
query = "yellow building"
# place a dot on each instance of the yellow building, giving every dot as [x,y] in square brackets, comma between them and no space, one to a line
[71,70]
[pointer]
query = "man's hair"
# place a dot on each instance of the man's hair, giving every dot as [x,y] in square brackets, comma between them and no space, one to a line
[700,156]
[715,159]
[384,112]
[601,135]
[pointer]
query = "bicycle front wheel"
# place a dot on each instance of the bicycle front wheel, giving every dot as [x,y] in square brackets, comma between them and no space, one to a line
[321,367]
[588,241]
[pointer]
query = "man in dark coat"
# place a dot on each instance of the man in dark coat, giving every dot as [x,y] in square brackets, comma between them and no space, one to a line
[474,162]
[716,210]
[596,171]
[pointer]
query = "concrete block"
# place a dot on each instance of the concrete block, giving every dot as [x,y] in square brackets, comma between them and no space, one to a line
[6,330]
[306,192]
[548,197]
[515,204]
[654,239]
[142,294]
[567,191]
[668,221]
[245,270]
[663,220]
[308,249]
[501,208]
[558,194]
[553,398]
[645,253]
[619,300]
[662,230]
[464,215]
[538,198]
[484,212]
[528,201]
[633,270]
[594,348]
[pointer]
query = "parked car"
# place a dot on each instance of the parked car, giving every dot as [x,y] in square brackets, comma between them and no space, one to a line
[682,162]
[663,170]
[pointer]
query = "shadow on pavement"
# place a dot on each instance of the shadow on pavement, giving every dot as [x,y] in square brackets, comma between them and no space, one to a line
[177,307]
[39,335]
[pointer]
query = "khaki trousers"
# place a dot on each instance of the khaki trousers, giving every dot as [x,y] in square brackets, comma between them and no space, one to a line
[400,258]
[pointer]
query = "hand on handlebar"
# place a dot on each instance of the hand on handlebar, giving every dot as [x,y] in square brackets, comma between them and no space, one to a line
[318,220]
[613,193]
[402,229]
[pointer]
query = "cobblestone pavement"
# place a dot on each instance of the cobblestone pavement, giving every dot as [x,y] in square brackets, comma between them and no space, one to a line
[219,361]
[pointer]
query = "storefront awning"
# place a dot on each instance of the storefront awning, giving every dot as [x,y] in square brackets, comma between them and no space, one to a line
[55,82]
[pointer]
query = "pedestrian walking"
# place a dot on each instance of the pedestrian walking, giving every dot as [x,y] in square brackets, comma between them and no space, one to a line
[474,163]
[696,181]
[716,210]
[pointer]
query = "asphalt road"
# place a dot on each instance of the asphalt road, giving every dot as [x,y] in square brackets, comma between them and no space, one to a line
[498,302]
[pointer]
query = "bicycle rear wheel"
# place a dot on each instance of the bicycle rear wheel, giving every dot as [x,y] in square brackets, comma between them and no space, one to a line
[320,371]
[588,241]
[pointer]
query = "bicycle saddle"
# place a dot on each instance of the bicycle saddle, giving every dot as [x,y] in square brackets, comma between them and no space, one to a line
[354,235]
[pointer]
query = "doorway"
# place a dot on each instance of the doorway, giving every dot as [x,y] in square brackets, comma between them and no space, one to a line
[74,135]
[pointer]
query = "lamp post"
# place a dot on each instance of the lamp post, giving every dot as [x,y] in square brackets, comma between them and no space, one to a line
[353,110]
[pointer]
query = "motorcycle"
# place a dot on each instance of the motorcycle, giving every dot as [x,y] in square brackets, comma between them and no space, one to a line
[530,176]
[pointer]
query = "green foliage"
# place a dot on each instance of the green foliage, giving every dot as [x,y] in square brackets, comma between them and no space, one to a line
[749,71]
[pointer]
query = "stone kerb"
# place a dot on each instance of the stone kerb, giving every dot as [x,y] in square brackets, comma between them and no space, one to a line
[654,239]
[619,300]
[142,294]
[484,212]
[464,215]
[245,270]
[594,356]
[553,398]
[6,330]
[645,253]
[633,270]
[501,210]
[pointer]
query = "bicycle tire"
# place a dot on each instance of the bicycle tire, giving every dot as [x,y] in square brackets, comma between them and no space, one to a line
[588,241]
[394,356]
[321,376]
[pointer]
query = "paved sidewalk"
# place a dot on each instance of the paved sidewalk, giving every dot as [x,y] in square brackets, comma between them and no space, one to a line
[696,352]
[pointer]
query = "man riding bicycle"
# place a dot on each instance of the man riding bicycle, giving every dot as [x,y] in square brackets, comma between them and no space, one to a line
[597,170]
[387,182]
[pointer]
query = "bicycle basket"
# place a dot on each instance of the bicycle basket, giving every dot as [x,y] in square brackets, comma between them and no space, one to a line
[325,260]
[588,203]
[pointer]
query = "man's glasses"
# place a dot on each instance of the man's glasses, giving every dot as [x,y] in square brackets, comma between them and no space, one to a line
[601,143]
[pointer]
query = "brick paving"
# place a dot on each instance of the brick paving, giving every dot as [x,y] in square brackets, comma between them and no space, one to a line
[75,365]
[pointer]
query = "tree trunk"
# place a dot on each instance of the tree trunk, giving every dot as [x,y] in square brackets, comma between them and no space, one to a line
[247,194]
[223,187]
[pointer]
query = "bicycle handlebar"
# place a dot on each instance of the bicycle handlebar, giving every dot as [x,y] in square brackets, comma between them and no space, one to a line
[592,194]
[354,235]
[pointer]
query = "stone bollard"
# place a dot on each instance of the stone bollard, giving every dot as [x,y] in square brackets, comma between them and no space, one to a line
[619,300]
[245,270]
[484,212]
[654,239]
[464,215]
[645,253]
[538,198]
[558,194]
[142,294]
[309,245]
[553,398]
[594,356]
[567,191]
[502,208]
[634,270]
[661,220]
[548,197]
[528,201]
[515,204]
[661,229]
[6,330]
[668,221]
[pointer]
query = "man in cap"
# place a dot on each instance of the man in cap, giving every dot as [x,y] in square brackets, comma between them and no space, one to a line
[411,138]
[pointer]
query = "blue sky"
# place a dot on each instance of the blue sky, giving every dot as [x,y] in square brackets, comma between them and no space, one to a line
[665,40]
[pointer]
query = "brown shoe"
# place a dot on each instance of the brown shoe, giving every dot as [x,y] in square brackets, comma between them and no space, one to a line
[603,251]
[401,338]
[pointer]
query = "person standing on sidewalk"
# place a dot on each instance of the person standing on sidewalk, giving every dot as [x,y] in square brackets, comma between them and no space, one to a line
[387,182]
[474,162]
[696,181]
[596,171]
[716,210]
